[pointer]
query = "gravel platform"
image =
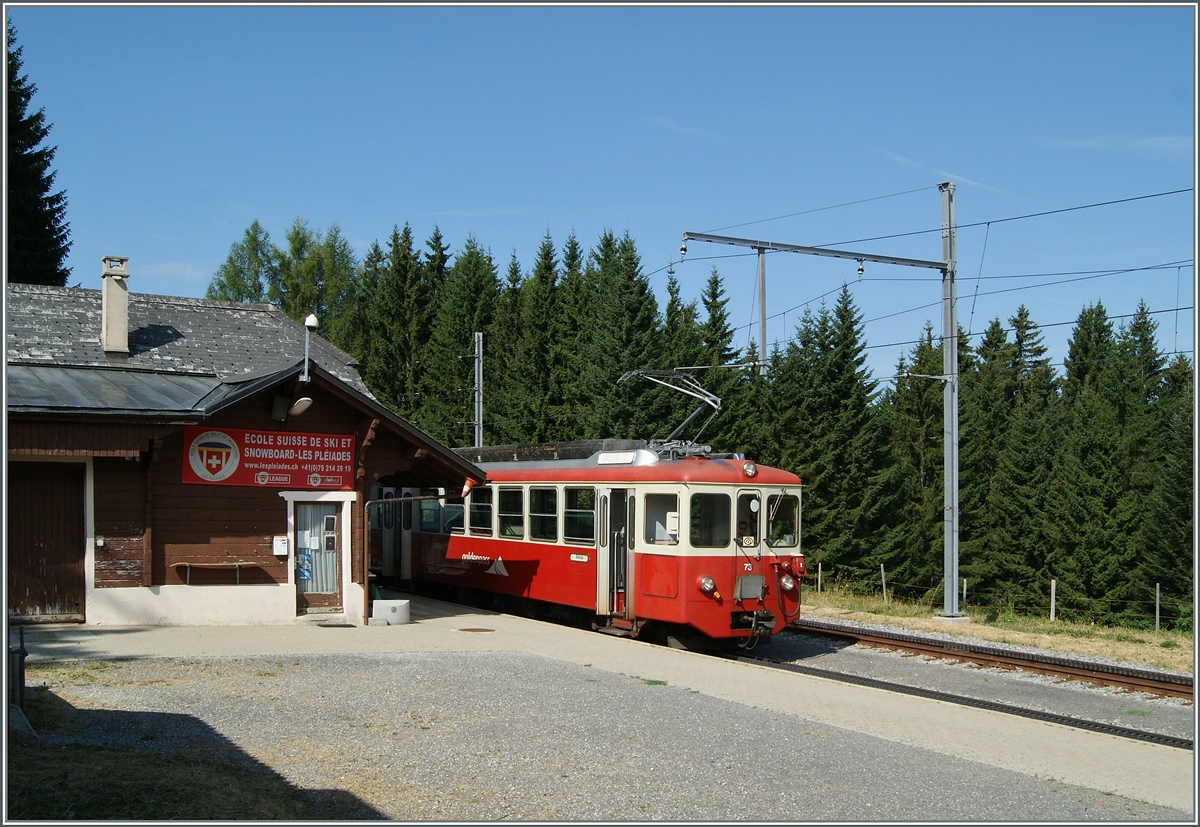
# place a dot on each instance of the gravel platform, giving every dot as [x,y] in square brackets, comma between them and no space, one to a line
[481,736]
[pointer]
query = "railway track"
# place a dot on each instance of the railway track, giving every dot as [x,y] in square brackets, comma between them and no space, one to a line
[963,700]
[1124,677]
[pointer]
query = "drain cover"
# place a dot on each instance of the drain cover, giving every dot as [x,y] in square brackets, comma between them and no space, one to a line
[476,630]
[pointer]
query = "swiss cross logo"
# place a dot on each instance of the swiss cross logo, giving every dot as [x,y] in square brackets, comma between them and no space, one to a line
[214,456]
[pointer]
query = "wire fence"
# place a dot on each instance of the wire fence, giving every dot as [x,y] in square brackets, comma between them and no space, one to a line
[1058,601]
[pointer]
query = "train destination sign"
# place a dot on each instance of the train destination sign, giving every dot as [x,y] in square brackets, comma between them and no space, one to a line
[270,459]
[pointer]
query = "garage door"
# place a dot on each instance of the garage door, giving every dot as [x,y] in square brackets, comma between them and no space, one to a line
[46,537]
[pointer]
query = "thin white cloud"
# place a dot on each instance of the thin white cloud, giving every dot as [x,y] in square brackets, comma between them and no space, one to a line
[900,159]
[1160,146]
[959,178]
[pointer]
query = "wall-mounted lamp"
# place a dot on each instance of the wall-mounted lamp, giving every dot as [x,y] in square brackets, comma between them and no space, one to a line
[300,406]
[310,324]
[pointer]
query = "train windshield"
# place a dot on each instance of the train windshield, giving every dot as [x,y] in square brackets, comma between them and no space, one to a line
[783,521]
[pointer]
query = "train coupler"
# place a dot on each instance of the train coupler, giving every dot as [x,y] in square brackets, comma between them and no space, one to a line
[761,622]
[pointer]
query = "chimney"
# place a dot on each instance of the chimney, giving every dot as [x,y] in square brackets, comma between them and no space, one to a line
[114,298]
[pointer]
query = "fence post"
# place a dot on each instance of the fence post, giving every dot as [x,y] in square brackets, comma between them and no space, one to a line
[964,598]
[818,577]
[1157,603]
[1053,588]
[883,578]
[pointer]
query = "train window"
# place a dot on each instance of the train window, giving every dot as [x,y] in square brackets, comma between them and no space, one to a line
[543,514]
[406,515]
[452,515]
[579,515]
[481,511]
[512,513]
[431,512]
[629,533]
[710,520]
[783,521]
[747,517]
[662,519]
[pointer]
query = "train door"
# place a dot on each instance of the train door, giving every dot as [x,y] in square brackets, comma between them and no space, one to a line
[405,531]
[389,535]
[611,562]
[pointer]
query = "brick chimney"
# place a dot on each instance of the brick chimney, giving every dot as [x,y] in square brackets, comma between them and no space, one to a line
[114,299]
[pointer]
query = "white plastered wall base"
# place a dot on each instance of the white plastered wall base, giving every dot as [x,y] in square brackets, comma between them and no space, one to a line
[250,605]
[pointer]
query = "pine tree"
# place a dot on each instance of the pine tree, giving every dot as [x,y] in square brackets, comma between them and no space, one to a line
[502,416]
[907,500]
[750,419]
[1138,367]
[618,333]
[572,417]
[834,443]
[247,271]
[465,306]
[532,388]
[985,412]
[376,355]
[1019,501]
[1168,529]
[295,286]
[1084,538]
[38,233]
[1089,349]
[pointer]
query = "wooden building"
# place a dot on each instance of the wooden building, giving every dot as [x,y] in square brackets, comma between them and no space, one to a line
[186,461]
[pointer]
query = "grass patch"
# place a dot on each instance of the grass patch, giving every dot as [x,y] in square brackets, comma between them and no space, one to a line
[1166,649]
[94,783]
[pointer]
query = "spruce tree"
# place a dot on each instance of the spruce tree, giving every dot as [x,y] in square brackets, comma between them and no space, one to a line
[906,503]
[1024,467]
[502,369]
[569,348]
[532,388]
[38,233]
[377,362]
[984,420]
[1089,350]
[465,306]
[248,269]
[834,443]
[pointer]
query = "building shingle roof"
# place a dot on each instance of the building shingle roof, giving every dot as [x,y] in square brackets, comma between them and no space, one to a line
[167,334]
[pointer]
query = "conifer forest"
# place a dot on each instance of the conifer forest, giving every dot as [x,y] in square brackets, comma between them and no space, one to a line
[1079,473]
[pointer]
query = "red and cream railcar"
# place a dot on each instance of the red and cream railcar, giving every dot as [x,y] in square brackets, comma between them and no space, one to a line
[700,543]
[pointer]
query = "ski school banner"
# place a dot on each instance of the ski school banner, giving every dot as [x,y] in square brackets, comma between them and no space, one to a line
[271,459]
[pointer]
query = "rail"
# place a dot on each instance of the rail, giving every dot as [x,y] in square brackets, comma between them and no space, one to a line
[1104,674]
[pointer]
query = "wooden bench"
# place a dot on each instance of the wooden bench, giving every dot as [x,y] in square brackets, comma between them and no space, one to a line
[235,565]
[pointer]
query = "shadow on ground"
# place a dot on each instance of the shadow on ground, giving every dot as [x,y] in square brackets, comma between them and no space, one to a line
[97,764]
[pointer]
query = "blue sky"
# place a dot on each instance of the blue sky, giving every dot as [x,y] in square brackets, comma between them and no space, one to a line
[178,126]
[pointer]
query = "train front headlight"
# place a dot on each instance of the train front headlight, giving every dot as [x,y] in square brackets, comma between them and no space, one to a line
[787,583]
[708,587]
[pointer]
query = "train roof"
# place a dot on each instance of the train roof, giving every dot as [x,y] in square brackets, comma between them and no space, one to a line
[616,461]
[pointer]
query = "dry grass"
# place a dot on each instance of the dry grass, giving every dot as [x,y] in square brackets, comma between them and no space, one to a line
[1167,650]
[93,784]
[83,782]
